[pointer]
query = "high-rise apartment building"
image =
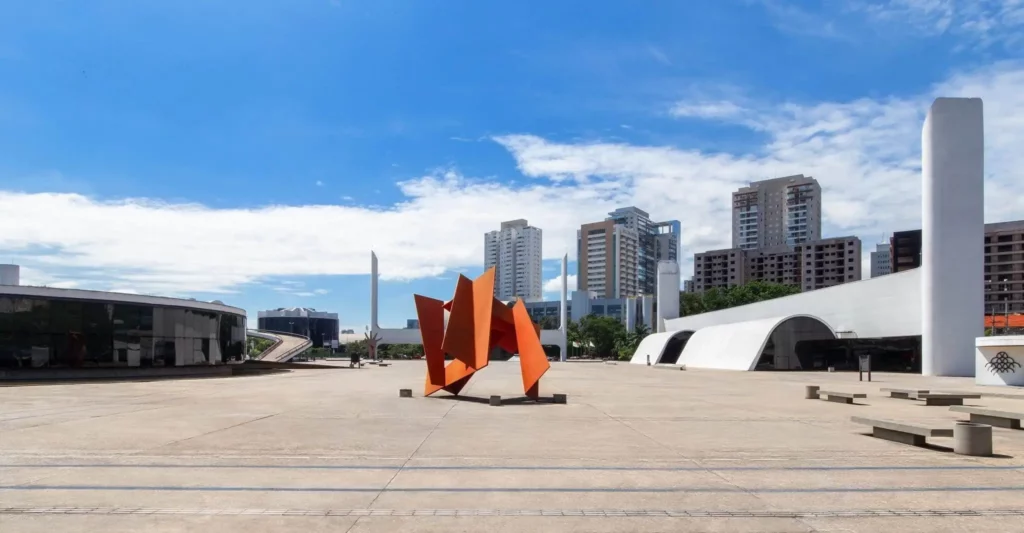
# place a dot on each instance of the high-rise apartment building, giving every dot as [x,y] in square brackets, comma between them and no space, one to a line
[515,251]
[666,240]
[809,266]
[656,241]
[1004,267]
[608,259]
[776,212]
[881,260]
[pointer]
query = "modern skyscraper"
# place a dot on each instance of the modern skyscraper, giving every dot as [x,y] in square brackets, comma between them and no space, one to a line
[608,259]
[776,212]
[881,260]
[515,251]
[656,241]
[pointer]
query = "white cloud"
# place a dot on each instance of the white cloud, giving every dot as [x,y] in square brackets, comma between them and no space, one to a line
[321,291]
[319,183]
[554,285]
[984,22]
[864,152]
[720,109]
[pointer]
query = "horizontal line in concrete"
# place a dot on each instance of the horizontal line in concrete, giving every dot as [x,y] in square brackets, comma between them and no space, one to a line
[705,490]
[528,467]
[599,513]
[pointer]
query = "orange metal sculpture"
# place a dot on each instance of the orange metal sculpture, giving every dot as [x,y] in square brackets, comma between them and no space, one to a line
[477,323]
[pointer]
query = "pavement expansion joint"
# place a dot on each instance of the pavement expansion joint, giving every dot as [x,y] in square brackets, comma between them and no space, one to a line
[597,513]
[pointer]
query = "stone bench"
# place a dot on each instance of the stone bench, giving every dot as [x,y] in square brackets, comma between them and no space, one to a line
[992,417]
[841,397]
[905,394]
[944,398]
[901,432]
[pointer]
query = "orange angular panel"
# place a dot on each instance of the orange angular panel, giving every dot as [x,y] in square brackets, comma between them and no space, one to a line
[430,313]
[476,324]
[532,361]
[483,307]
[459,339]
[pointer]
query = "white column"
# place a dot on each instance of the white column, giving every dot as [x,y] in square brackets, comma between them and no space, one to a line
[373,291]
[563,310]
[668,292]
[953,235]
[630,304]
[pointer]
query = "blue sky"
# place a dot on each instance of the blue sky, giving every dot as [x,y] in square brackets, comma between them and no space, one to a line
[256,153]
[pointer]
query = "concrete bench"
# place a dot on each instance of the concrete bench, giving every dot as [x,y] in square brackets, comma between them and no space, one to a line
[905,394]
[901,432]
[944,398]
[841,397]
[992,417]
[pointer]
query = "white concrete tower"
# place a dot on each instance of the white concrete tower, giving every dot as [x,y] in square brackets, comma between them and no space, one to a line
[668,293]
[563,310]
[373,292]
[953,236]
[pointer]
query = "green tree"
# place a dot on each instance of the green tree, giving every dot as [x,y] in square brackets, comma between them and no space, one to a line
[575,335]
[717,298]
[629,341]
[258,345]
[602,334]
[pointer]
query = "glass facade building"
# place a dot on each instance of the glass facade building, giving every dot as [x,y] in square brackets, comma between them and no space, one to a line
[41,327]
[318,326]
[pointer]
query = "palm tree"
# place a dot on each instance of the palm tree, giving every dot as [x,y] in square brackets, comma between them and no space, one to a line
[575,335]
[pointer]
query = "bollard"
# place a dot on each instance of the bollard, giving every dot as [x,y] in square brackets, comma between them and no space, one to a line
[831,369]
[970,438]
[405,393]
[560,398]
[812,392]
[495,400]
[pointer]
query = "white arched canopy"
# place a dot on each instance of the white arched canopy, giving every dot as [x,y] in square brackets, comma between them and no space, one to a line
[654,346]
[739,345]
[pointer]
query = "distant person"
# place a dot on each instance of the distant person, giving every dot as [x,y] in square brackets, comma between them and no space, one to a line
[353,359]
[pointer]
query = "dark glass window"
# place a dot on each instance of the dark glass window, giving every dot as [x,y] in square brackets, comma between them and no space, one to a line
[39,332]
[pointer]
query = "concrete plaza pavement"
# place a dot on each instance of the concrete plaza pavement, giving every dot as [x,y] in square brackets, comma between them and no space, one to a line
[635,449]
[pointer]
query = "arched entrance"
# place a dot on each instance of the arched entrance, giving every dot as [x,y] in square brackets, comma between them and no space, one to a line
[674,347]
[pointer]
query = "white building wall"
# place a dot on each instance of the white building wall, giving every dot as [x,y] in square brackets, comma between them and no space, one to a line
[881,260]
[515,251]
[10,275]
[889,306]
[668,292]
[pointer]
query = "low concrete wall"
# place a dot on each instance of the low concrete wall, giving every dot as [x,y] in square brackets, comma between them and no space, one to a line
[76,374]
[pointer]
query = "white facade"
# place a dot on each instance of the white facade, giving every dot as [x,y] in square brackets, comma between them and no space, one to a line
[515,251]
[738,345]
[999,361]
[889,306]
[881,260]
[953,233]
[668,293]
[776,212]
[10,275]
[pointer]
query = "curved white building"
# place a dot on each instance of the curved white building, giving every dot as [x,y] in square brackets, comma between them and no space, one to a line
[941,302]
